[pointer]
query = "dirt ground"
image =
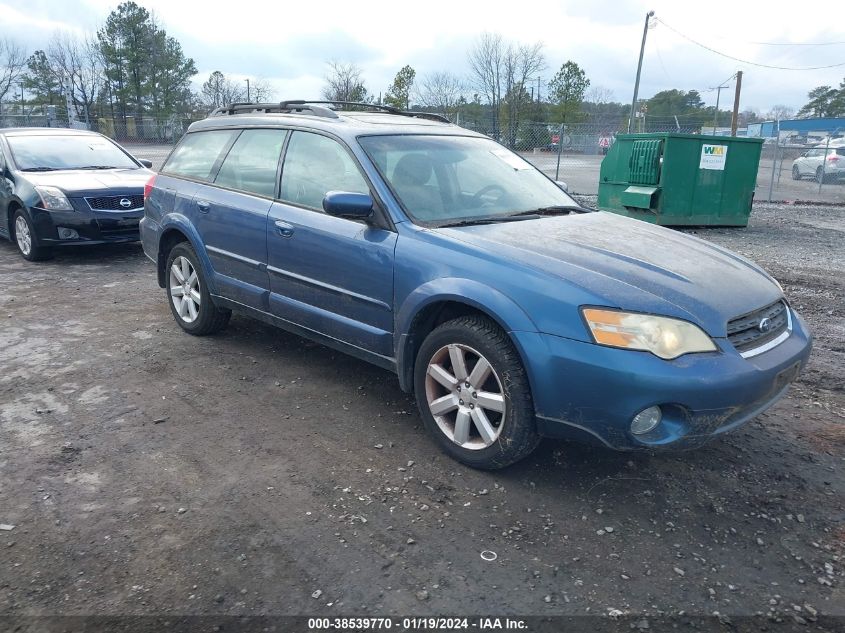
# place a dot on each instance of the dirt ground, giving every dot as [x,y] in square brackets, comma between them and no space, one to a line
[148,471]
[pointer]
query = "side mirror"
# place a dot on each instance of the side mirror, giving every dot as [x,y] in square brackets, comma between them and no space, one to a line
[343,204]
[562,185]
[146,163]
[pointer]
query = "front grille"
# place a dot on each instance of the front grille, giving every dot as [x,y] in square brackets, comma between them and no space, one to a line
[112,203]
[745,333]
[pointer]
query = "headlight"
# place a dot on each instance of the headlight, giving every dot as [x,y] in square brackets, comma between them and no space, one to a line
[54,199]
[662,336]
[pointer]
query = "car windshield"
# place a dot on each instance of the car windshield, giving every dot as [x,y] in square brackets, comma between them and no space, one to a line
[45,152]
[449,179]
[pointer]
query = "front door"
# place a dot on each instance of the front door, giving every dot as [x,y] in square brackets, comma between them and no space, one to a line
[328,274]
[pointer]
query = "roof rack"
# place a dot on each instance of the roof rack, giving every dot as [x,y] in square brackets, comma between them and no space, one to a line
[317,109]
[282,107]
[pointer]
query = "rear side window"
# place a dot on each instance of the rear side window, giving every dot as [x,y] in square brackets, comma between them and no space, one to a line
[315,165]
[252,162]
[198,153]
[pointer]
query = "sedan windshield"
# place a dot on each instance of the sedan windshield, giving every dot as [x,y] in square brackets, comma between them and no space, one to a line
[451,179]
[83,151]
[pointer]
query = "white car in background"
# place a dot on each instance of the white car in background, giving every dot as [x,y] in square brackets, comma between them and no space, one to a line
[820,163]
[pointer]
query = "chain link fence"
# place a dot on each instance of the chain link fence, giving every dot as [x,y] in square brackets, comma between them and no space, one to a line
[794,166]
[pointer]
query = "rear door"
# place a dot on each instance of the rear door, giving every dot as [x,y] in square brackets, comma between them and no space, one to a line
[328,274]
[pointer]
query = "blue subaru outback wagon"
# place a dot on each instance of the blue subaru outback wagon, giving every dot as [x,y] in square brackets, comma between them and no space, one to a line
[510,311]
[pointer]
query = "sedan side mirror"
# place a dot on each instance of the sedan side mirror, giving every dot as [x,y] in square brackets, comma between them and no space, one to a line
[146,163]
[562,185]
[344,204]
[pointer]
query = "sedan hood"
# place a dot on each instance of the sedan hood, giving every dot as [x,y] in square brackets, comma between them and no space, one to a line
[633,265]
[85,181]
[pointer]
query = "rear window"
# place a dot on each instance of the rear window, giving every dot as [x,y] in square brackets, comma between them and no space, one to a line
[198,154]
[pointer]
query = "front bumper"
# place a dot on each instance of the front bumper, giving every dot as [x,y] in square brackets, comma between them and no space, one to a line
[587,391]
[92,227]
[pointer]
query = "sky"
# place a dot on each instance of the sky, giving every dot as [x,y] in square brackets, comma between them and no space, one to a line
[289,43]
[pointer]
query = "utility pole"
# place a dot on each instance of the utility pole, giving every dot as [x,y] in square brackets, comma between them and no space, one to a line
[648,16]
[735,117]
[247,91]
[538,90]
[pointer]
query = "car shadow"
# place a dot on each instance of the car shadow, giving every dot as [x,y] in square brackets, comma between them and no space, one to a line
[83,254]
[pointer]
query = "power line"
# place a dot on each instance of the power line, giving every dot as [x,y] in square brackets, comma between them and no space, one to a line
[745,61]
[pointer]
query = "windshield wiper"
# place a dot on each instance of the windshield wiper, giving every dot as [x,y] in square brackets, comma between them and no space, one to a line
[39,169]
[488,220]
[98,167]
[553,210]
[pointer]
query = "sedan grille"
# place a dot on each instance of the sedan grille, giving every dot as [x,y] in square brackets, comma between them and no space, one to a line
[116,203]
[755,329]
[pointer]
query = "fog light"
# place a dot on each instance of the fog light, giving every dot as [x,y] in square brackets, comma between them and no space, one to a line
[646,420]
[67,234]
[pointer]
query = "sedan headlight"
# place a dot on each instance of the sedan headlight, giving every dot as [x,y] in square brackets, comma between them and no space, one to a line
[54,199]
[662,336]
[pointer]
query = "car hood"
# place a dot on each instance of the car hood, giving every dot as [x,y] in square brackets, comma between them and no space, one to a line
[633,265]
[83,181]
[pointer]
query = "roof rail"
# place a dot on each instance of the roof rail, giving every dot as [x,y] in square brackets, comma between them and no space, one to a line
[376,106]
[281,107]
[316,108]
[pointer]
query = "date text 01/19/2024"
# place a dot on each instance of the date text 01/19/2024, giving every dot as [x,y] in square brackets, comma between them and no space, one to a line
[417,623]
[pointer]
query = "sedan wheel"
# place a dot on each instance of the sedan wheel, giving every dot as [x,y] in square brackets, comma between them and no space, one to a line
[23,235]
[796,174]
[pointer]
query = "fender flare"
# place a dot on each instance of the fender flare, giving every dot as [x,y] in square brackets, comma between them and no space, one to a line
[178,222]
[499,307]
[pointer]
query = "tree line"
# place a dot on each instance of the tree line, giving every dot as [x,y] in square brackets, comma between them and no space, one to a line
[129,67]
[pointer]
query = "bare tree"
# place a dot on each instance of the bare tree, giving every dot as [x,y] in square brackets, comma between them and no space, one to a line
[522,61]
[780,112]
[78,63]
[487,64]
[344,83]
[440,90]
[218,90]
[599,95]
[260,90]
[12,65]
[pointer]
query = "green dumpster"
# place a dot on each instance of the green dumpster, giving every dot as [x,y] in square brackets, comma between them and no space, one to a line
[680,179]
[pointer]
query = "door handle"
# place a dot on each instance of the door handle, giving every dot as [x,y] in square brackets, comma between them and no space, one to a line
[285,229]
[203,206]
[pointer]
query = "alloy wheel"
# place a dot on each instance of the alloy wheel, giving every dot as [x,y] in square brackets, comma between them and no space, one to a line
[465,396]
[23,235]
[185,289]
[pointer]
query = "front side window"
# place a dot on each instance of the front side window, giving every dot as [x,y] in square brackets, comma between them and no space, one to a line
[51,152]
[198,153]
[252,162]
[315,165]
[444,179]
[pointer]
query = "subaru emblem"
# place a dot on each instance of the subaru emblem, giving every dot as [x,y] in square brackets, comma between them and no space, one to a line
[125,203]
[765,325]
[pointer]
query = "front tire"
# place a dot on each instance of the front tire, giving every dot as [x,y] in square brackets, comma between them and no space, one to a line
[796,173]
[473,394]
[26,239]
[188,296]
[821,177]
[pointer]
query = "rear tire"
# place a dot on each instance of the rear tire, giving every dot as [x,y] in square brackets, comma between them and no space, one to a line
[473,394]
[26,239]
[821,177]
[796,174]
[188,296]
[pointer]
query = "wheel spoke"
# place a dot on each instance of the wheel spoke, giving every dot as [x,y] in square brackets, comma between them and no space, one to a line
[443,405]
[442,376]
[491,401]
[461,434]
[192,308]
[459,365]
[183,307]
[175,291]
[480,373]
[482,424]
[195,296]
[177,273]
[186,268]
[193,278]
